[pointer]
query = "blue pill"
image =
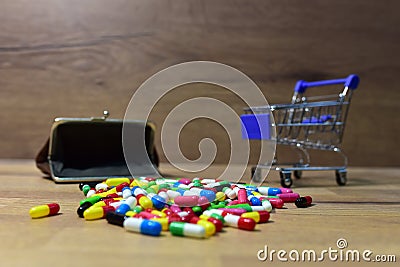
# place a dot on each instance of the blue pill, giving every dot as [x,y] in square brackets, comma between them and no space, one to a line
[255,201]
[158,201]
[210,195]
[146,227]
[272,191]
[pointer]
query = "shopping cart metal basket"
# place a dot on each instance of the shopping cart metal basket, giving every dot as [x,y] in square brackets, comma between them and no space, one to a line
[307,123]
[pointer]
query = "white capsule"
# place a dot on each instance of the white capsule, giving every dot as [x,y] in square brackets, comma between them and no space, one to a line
[164,195]
[126,193]
[172,194]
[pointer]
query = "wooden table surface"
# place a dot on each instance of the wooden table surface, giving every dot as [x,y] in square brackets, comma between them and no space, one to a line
[366,213]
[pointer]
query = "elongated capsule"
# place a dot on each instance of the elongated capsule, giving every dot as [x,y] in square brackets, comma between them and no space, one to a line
[254,201]
[288,197]
[164,223]
[240,222]
[285,190]
[44,210]
[234,211]
[257,216]
[186,201]
[92,199]
[126,192]
[100,186]
[157,200]
[146,215]
[95,213]
[220,196]
[269,191]
[91,192]
[117,181]
[242,196]
[276,203]
[266,205]
[81,209]
[146,227]
[115,218]
[187,229]
[209,227]
[126,205]
[203,203]
[231,194]
[144,201]
[303,202]
[85,189]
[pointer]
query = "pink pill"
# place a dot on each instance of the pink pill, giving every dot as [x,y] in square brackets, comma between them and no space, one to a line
[186,201]
[234,211]
[286,190]
[175,208]
[242,196]
[233,202]
[185,181]
[203,201]
[288,197]
[146,215]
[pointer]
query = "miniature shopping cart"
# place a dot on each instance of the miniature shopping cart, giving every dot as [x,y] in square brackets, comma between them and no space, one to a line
[307,123]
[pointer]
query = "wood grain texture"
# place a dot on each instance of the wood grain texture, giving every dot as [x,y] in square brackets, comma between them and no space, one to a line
[75,58]
[366,213]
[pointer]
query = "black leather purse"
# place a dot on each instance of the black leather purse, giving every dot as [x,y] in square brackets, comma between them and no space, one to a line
[90,149]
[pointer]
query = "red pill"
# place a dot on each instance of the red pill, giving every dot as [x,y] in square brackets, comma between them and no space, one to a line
[276,202]
[240,222]
[121,186]
[217,223]
[174,218]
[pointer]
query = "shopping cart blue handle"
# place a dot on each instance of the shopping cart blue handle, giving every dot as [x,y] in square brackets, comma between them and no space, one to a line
[351,82]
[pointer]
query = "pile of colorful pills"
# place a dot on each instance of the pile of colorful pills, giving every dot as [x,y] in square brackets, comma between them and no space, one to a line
[186,207]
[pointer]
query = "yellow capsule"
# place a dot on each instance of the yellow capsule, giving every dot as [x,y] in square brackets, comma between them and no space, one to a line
[98,204]
[96,212]
[204,217]
[159,213]
[163,221]
[145,203]
[256,194]
[208,226]
[220,196]
[252,214]
[130,213]
[117,181]
[134,183]
[44,210]
[104,194]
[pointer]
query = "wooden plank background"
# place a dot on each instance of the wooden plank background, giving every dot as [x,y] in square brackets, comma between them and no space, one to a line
[75,58]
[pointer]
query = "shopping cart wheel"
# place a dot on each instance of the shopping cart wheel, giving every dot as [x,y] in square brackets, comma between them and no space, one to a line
[297,174]
[286,180]
[341,177]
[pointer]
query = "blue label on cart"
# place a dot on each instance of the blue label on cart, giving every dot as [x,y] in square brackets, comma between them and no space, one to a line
[256,126]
